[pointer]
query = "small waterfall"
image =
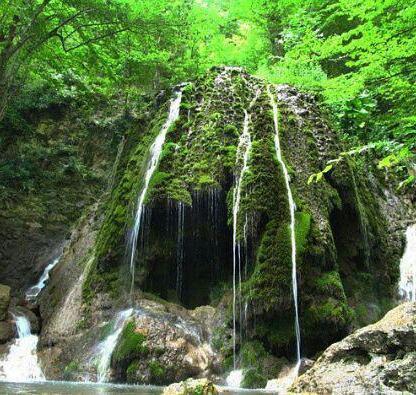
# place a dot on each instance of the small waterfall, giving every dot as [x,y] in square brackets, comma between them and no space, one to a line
[106,347]
[21,363]
[243,150]
[292,220]
[33,292]
[179,249]
[235,378]
[154,155]
[407,284]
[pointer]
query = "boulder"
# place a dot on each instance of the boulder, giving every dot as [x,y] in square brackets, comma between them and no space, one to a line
[162,344]
[4,301]
[379,358]
[7,331]
[191,387]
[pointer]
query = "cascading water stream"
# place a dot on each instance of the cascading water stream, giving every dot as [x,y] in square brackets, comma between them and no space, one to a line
[106,347]
[243,150]
[21,363]
[154,155]
[407,284]
[292,220]
[33,292]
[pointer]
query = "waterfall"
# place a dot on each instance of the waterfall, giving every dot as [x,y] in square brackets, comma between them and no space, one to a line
[292,219]
[33,292]
[179,249]
[407,284]
[106,347]
[154,155]
[243,150]
[235,378]
[21,363]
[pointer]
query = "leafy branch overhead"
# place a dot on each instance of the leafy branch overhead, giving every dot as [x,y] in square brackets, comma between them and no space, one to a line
[358,55]
[398,155]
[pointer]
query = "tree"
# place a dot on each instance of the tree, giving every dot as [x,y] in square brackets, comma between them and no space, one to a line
[26,26]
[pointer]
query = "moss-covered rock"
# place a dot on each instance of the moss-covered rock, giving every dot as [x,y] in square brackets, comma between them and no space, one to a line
[184,253]
[131,345]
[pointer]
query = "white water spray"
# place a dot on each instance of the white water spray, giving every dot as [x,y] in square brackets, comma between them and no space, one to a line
[407,284]
[33,292]
[107,346]
[292,220]
[154,155]
[235,378]
[21,363]
[243,150]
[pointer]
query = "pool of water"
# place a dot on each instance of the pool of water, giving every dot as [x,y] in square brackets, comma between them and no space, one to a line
[64,388]
[68,388]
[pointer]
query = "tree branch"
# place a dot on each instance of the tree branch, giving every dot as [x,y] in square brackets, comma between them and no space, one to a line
[91,40]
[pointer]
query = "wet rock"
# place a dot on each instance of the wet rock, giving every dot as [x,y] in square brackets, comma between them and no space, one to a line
[379,358]
[161,345]
[7,331]
[305,365]
[4,301]
[191,387]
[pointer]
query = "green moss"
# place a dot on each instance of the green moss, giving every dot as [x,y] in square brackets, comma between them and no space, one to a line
[302,229]
[329,283]
[131,371]
[130,345]
[231,130]
[253,378]
[70,370]
[330,310]
[269,284]
[258,365]
[251,353]
[157,371]
[205,181]
[109,245]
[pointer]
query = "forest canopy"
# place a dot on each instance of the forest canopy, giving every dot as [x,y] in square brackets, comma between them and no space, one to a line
[359,55]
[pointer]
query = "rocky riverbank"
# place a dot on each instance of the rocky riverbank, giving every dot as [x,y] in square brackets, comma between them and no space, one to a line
[379,358]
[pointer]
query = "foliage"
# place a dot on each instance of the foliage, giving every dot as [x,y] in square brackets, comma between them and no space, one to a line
[358,54]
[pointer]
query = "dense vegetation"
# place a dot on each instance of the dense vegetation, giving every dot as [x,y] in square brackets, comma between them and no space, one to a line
[359,54]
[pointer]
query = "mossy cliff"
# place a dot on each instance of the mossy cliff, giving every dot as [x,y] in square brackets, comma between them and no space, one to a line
[347,257]
[56,159]
[347,248]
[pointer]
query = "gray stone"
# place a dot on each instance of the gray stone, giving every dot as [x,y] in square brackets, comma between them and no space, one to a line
[379,358]
[190,387]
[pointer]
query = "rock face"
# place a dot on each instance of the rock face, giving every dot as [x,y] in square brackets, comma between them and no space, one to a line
[4,301]
[68,156]
[379,358]
[347,253]
[7,330]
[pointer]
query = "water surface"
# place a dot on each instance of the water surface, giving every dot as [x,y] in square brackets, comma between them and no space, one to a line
[69,388]
[64,388]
